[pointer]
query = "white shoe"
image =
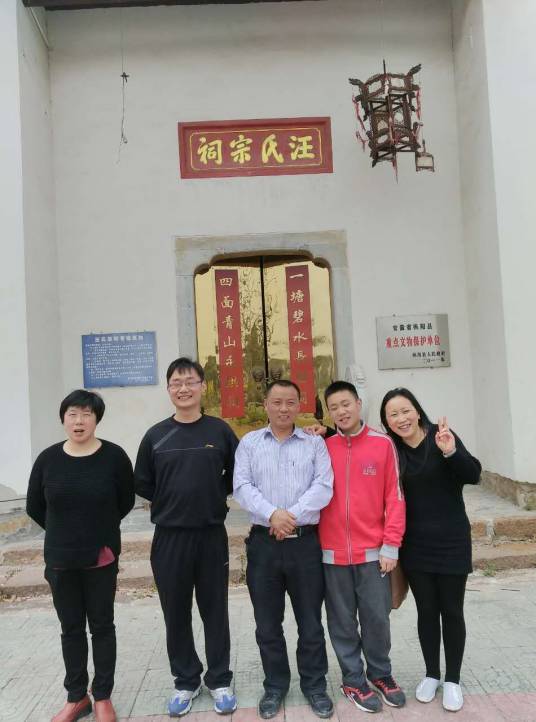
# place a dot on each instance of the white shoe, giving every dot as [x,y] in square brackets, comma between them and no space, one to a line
[452,696]
[426,689]
[225,701]
[181,700]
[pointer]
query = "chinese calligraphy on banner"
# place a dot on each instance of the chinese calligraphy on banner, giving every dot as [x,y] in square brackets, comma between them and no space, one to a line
[300,337]
[229,343]
[406,342]
[284,146]
[119,359]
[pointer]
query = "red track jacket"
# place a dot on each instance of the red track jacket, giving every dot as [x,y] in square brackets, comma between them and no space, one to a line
[366,516]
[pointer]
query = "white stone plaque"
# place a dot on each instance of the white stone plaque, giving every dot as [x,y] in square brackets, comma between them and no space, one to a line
[407,342]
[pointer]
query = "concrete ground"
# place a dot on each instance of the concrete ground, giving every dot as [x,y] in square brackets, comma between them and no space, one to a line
[499,674]
[498,677]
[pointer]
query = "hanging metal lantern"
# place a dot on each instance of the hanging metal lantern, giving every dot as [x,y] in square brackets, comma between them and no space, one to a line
[389,103]
[424,160]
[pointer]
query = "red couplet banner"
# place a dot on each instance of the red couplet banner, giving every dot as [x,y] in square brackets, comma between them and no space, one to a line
[300,335]
[229,343]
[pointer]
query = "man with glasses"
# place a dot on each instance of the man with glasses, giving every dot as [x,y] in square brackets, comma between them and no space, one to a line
[185,469]
[283,477]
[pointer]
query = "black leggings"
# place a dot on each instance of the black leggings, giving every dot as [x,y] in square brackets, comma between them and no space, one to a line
[80,595]
[440,596]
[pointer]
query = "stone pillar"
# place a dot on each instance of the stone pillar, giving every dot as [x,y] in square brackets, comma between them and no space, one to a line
[509,31]
[15,442]
[30,363]
[494,62]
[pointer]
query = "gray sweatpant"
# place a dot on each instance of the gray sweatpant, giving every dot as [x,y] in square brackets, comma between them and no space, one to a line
[356,595]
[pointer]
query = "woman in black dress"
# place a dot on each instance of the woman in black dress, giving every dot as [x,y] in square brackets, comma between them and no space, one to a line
[79,491]
[436,551]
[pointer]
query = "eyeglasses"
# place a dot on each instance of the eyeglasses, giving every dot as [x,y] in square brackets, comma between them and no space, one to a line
[189,384]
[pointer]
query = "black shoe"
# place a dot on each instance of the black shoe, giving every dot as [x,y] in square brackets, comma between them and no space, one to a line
[321,704]
[270,703]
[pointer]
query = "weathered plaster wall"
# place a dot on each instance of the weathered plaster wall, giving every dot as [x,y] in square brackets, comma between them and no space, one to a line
[511,62]
[494,61]
[116,221]
[15,438]
[45,382]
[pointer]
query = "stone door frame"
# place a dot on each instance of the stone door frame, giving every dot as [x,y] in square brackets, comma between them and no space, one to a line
[193,253]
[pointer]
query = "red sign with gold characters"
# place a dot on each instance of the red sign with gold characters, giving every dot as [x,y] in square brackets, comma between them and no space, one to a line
[300,334]
[275,146]
[229,343]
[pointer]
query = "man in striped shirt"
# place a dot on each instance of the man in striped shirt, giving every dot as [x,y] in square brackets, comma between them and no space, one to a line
[283,477]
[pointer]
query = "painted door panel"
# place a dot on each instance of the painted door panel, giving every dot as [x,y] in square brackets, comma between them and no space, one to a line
[266,316]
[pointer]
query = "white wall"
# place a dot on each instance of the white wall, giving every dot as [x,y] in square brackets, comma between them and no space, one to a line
[116,221]
[481,235]
[15,437]
[30,373]
[41,261]
[510,30]
[495,66]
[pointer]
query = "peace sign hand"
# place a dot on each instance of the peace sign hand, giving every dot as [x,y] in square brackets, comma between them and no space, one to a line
[444,437]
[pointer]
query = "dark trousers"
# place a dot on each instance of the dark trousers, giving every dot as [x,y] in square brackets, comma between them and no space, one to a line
[358,596]
[184,560]
[440,597]
[293,566]
[80,595]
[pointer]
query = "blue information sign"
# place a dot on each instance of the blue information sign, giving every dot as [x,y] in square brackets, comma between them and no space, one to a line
[119,359]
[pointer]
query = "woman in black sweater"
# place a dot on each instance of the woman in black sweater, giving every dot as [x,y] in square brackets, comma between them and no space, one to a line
[79,491]
[436,550]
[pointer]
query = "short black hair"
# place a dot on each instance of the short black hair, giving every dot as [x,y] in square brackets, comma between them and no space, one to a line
[183,364]
[336,386]
[83,399]
[285,383]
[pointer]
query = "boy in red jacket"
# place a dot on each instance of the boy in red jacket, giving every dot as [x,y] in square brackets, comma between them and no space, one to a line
[360,532]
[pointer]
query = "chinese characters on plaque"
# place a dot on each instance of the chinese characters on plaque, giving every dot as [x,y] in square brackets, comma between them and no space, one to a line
[229,343]
[213,149]
[119,359]
[300,335]
[406,342]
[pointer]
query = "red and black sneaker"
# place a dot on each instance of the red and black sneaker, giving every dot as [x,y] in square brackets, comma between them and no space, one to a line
[390,691]
[363,697]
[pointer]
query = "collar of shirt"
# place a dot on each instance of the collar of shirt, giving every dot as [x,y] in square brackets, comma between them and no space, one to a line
[353,435]
[297,432]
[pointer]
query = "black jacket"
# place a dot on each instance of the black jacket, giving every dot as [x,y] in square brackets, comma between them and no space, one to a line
[186,471]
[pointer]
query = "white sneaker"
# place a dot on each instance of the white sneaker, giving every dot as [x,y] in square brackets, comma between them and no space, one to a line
[225,700]
[180,701]
[426,689]
[452,696]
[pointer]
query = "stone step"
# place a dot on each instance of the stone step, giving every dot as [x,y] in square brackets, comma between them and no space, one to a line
[28,580]
[508,528]
[501,555]
[137,546]
[132,549]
